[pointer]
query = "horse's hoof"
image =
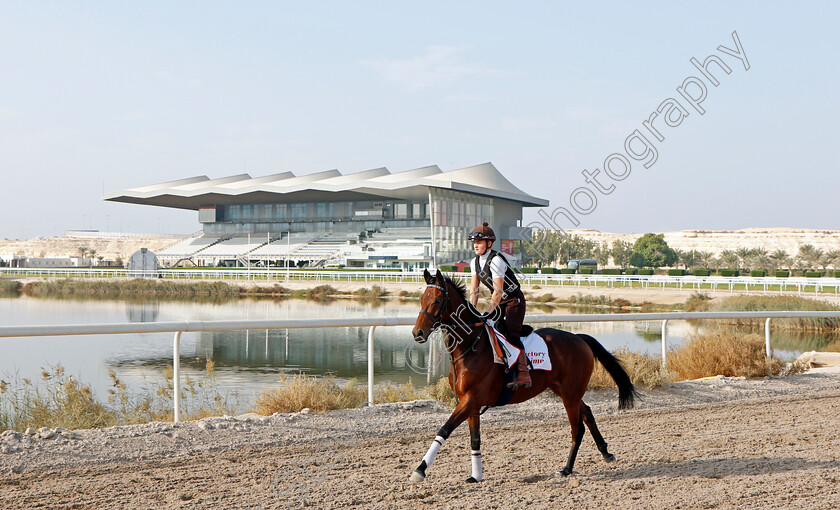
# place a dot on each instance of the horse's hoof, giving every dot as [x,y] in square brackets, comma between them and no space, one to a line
[565,472]
[417,477]
[472,480]
[609,458]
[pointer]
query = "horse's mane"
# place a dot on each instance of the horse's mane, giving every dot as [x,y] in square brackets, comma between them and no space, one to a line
[461,290]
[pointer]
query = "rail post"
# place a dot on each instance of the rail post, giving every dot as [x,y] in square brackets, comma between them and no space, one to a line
[767,348]
[370,365]
[176,375]
[665,344]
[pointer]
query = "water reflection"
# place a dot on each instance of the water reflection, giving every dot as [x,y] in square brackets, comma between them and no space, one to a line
[250,360]
[142,312]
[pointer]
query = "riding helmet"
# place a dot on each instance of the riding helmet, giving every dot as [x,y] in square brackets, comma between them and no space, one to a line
[482,233]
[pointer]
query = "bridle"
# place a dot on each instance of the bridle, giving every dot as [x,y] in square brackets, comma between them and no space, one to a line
[438,321]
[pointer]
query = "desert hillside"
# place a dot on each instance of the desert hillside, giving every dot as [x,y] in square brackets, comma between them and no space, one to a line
[715,241]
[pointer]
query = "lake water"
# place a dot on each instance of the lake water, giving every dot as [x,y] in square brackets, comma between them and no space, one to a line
[247,361]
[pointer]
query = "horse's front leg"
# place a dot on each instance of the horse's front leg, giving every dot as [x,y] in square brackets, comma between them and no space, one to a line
[463,410]
[475,449]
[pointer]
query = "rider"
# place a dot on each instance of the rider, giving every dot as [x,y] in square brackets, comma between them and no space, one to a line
[492,269]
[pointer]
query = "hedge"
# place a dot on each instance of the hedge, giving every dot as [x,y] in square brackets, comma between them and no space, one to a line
[702,272]
[676,272]
[448,269]
[631,270]
[467,269]
[837,273]
[757,273]
[548,270]
[730,272]
[645,271]
[782,274]
[612,271]
[813,274]
[567,270]
[587,270]
[529,270]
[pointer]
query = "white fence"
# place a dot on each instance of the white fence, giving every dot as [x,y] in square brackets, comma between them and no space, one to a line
[191,326]
[730,283]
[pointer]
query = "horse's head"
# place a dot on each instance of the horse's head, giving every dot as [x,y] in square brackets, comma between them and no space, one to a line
[433,306]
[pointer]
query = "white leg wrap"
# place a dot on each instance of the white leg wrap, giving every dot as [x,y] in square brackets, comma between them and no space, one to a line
[430,455]
[477,471]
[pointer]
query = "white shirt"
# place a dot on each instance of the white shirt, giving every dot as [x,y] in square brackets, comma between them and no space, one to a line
[497,268]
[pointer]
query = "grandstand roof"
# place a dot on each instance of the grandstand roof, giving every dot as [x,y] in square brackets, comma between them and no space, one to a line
[330,185]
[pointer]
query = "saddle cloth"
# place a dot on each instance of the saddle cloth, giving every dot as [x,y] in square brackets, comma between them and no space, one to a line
[535,349]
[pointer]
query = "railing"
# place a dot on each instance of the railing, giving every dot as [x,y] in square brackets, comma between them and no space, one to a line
[765,284]
[230,325]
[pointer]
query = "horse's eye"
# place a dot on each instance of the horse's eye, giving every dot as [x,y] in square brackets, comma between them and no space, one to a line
[437,301]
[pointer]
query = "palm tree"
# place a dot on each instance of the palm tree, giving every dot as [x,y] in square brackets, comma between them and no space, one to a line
[809,255]
[729,259]
[744,255]
[92,254]
[781,259]
[833,257]
[705,258]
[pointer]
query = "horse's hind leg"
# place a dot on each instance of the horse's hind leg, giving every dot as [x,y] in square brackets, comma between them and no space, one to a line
[589,420]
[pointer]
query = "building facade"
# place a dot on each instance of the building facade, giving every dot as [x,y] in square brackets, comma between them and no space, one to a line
[374,218]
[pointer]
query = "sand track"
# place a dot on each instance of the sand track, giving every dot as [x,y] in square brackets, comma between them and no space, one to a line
[717,444]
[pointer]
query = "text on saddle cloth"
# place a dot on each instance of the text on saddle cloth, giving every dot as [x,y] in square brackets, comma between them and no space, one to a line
[535,349]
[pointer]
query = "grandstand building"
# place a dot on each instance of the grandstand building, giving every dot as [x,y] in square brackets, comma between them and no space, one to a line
[410,220]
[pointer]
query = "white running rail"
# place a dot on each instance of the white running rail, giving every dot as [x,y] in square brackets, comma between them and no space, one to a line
[231,325]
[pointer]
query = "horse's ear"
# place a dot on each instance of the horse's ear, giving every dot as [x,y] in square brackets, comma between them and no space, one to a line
[439,275]
[427,276]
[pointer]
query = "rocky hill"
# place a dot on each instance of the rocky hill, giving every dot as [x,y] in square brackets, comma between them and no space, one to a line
[715,241]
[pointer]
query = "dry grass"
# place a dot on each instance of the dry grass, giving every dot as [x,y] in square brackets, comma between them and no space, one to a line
[324,394]
[59,401]
[10,286]
[777,303]
[722,352]
[316,393]
[374,293]
[697,302]
[644,371]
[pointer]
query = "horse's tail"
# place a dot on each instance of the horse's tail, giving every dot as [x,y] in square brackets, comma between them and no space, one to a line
[626,391]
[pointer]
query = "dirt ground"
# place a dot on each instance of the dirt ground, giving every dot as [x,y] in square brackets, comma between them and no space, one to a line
[723,443]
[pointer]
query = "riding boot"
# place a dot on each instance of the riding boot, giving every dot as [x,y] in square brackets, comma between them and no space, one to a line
[523,378]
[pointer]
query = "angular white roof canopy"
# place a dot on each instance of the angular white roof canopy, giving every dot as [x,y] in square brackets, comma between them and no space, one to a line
[329,185]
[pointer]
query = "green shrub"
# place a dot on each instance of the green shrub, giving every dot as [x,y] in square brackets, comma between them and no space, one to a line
[837,273]
[676,272]
[813,274]
[587,270]
[730,272]
[612,271]
[567,270]
[782,274]
[529,270]
[466,269]
[444,268]
[631,270]
[548,270]
[757,273]
[702,272]
[645,271]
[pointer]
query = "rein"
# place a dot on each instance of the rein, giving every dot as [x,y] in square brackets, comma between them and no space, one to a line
[438,321]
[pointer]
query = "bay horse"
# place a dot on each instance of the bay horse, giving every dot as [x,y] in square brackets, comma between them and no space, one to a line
[477,381]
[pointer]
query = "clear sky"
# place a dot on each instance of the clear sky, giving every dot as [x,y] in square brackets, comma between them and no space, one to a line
[106,96]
